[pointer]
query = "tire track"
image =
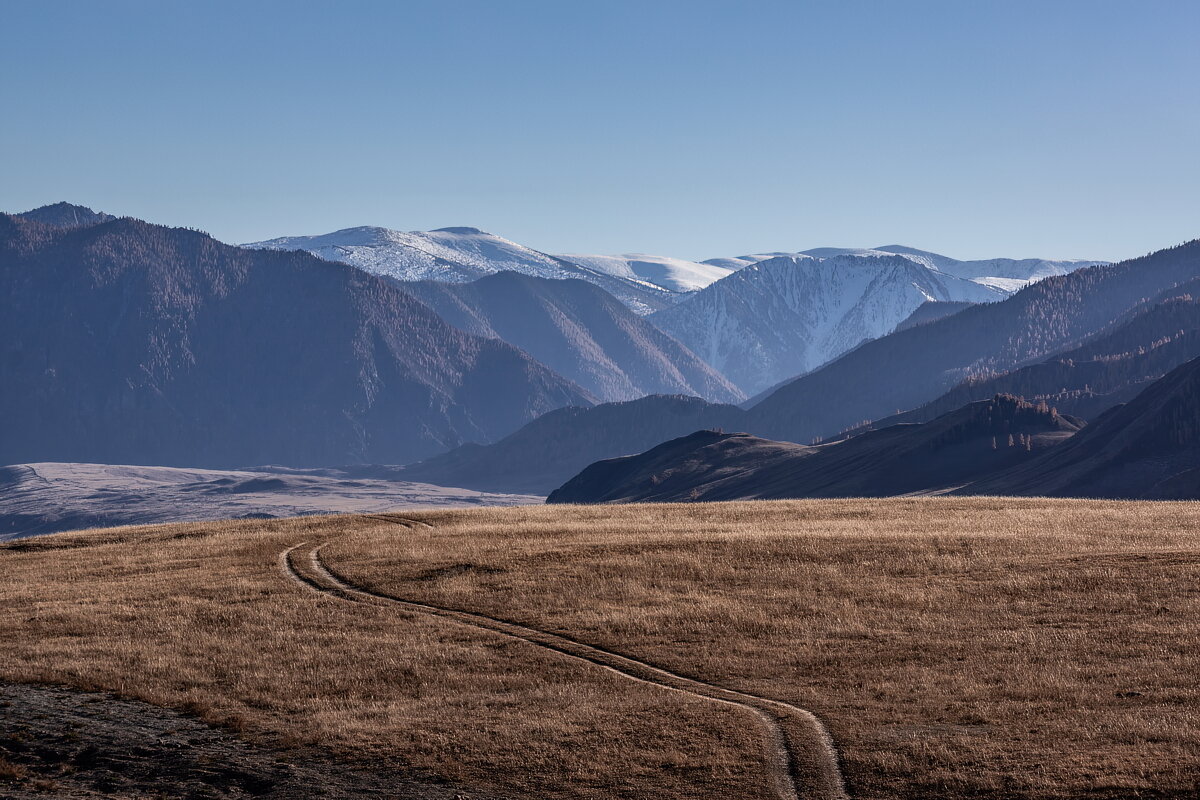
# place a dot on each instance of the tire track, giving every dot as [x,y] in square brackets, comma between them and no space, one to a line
[803,767]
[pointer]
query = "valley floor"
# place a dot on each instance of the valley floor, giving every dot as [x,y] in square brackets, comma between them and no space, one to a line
[57,496]
[953,648]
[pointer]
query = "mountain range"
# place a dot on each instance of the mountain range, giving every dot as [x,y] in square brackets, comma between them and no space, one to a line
[787,315]
[459,255]
[1083,341]
[977,439]
[1006,274]
[126,342]
[506,369]
[541,455]
[911,367]
[1148,448]
[580,331]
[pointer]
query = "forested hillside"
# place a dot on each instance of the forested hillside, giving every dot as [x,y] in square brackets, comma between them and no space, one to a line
[125,342]
[911,367]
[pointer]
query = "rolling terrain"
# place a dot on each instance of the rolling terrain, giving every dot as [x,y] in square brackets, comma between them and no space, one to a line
[541,455]
[938,647]
[1107,369]
[1147,448]
[977,440]
[48,498]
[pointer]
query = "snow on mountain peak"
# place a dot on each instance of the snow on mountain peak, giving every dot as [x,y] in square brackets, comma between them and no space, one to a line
[783,316]
[461,230]
[673,274]
[460,255]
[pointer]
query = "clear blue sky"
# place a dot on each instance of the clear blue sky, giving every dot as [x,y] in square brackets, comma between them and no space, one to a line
[697,129]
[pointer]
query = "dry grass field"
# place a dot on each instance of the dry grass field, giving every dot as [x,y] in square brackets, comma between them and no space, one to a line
[954,648]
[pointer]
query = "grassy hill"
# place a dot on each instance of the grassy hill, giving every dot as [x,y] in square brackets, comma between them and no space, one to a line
[953,648]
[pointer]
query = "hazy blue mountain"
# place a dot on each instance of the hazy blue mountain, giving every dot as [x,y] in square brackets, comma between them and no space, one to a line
[1147,448]
[459,255]
[541,455]
[978,439]
[580,331]
[131,343]
[911,367]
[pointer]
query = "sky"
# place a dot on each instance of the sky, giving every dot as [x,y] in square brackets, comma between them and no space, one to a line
[695,129]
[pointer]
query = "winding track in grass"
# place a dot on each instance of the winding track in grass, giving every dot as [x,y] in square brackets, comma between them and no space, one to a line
[803,761]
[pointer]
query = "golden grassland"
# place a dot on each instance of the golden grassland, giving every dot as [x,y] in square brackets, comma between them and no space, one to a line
[954,647]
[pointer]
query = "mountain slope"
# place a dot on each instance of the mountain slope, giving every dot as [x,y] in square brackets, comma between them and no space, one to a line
[674,274]
[131,343]
[1147,448]
[66,215]
[1110,368]
[788,315]
[540,456]
[913,366]
[1022,270]
[578,330]
[931,310]
[458,255]
[1006,274]
[976,439]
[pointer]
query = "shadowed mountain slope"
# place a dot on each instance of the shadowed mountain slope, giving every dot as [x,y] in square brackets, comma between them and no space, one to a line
[913,366]
[978,439]
[580,331]
[126,342]
[783,316]
[552,448]
[1108,369]
[1147,448]
[930,311]
[459,255]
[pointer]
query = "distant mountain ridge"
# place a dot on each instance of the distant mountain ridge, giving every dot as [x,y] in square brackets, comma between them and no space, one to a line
[459,255]
[902,370]
[675,274]
[66,215]
[1148,448]
[550,449]
[980,438]
[1007,274]
[126,342]
[1107,369]
[580,331]
[785,316]
[911,367]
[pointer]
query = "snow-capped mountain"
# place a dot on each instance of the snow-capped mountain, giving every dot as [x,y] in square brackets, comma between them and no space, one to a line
[674,274]
[784,316]
[578,330]
[459,255]
[1006,274]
